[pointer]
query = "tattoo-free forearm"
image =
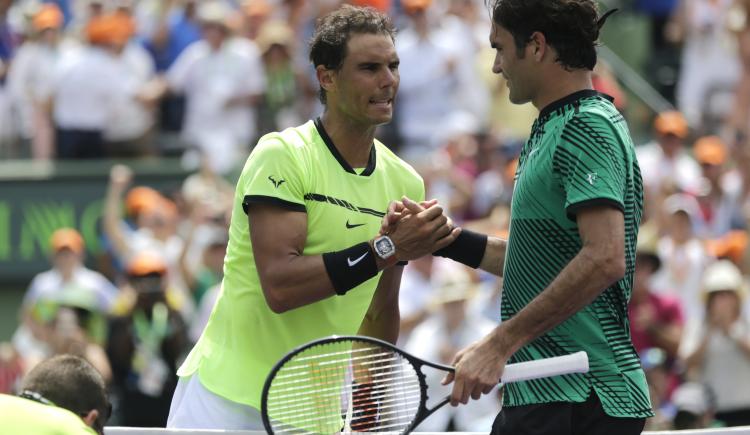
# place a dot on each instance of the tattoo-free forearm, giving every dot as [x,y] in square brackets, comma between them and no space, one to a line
[494,256]
[383,317]
[577,285]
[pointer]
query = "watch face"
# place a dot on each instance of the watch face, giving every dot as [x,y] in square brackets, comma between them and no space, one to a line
[384,247]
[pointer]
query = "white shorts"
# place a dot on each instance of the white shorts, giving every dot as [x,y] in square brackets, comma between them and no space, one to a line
[194,407]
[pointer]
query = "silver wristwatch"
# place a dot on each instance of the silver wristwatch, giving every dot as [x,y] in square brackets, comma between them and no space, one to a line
[384,247]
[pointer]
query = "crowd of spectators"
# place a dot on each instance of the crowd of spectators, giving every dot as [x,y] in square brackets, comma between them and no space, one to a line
[202,80]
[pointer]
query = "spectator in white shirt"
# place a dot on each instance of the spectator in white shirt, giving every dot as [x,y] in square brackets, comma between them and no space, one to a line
[429,82]
[133,114]
[721,193]
[666,166]
[717,350]
[68,273]
[222,79]
[84,91]
[29,77]
[683,254]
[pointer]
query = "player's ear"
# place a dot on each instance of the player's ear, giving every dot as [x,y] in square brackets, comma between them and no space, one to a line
[325,77]
[90,418]
[538,45]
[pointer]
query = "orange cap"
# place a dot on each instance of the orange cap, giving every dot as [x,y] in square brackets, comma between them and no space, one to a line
[49,16]
[412,6]
[67,238]
[124,27]
[732,246]
[98,30]
[110,29]
[141,198]
[381,5]
[163,207]
[711,150]
[146,263]
[671,122]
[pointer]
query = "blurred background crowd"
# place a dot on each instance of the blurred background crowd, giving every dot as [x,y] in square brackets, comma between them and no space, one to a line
[198,82]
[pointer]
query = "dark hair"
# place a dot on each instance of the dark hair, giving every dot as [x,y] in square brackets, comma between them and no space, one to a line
[72,383]
[333,31]
[571,27]
[650,258]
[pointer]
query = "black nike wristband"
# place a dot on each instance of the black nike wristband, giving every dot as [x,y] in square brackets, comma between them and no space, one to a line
[351,267]
[468,248]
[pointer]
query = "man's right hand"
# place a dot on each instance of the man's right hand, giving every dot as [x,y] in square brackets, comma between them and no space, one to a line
[395,210]
[418,229]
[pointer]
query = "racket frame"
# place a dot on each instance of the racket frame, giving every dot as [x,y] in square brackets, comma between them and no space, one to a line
[422,412]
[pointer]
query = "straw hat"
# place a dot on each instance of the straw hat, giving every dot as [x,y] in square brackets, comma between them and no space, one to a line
[646,247]
[723,275]
[214,12]
[454,284]
[274,33]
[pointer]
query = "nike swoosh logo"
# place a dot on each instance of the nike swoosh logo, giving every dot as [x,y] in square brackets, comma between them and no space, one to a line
[350,226]
[354,263]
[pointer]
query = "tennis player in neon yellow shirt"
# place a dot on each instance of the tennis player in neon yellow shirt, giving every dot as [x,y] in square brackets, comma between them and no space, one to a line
[305,259]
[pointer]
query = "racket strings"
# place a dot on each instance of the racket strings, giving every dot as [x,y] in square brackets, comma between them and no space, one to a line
[380,378]
[340,388]
[302,374]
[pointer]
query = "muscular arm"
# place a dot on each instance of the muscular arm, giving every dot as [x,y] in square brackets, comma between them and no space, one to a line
[291,279]
[599,264]
[382,318]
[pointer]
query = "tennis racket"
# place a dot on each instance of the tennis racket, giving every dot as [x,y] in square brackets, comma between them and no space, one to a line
[349,384]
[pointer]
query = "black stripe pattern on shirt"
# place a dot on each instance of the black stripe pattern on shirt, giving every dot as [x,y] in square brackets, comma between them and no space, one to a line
[342,203]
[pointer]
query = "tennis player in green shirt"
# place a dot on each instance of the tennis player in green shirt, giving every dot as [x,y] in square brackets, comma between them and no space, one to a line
[568,263]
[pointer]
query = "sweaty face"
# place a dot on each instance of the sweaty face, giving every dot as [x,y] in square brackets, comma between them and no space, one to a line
[510,65]
[366,84]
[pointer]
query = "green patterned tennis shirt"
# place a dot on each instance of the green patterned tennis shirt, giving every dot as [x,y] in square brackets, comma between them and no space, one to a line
[579,155]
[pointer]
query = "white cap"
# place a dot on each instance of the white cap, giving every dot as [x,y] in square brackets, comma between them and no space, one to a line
[682,202]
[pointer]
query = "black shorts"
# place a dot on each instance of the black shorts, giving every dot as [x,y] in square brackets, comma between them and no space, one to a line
[564,418]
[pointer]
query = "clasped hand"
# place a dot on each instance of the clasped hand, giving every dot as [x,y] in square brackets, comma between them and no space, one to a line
[417,229]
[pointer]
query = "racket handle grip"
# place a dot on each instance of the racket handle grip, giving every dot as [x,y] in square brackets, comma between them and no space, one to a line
[560,365]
